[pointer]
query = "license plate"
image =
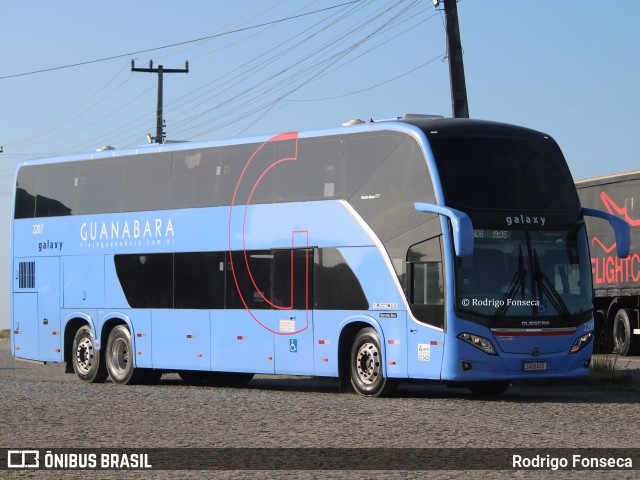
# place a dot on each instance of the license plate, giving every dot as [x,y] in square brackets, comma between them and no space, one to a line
[535,366]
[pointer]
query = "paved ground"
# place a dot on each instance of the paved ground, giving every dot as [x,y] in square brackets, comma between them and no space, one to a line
[45,408]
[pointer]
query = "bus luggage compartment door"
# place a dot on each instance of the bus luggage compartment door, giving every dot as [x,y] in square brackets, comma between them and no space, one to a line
[36,312]
[25,325]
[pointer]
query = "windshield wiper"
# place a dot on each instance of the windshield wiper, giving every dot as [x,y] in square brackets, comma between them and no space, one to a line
[517,282]
[546,286]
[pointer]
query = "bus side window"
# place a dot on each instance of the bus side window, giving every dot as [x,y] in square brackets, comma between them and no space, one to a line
[293,278]
[26,192]
[241,282]
[426,289]
[145,181]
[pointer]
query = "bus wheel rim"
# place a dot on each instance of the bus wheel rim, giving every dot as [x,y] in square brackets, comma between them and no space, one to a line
[120,355]
[84,355]
[368,364]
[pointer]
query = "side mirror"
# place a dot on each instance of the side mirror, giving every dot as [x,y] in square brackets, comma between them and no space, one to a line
[620,228]
[461,223]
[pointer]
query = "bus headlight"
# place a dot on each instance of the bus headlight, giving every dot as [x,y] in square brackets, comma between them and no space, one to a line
[581,342]
[477,341]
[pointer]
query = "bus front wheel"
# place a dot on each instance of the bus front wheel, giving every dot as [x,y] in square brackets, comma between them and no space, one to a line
[119,357]
[87,361]
[367,377]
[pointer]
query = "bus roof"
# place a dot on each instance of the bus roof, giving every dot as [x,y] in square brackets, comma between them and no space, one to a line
[427,124]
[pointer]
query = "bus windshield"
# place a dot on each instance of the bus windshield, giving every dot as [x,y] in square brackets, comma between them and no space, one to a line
[519,274]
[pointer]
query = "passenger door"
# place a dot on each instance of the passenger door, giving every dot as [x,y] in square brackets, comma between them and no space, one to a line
[293,310]
[426,298]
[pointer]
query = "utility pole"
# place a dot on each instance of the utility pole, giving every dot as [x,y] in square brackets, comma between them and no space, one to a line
[459,103]
[159,138]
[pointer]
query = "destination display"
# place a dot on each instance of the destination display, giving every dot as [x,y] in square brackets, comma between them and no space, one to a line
[492,234]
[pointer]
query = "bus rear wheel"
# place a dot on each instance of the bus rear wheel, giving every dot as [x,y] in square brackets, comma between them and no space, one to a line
[87,362]
[624,343]
[119,357]
[367,376]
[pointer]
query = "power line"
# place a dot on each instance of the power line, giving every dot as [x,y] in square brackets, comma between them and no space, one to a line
[247,72]
[208,37]
[307,75]
[309,67]
[371,87]
[84,108]
[269,96]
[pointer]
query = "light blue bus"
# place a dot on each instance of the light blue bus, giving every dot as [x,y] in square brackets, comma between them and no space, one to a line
[415,248]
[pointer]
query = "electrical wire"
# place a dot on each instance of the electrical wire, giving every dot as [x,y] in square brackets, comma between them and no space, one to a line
[260,94]
[304,66]
[304,77]
[208,37]
[250,68]
[74,114]
[137,122]
[371,87]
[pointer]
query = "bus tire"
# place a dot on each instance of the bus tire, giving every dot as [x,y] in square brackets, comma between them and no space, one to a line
[366,365]
[119,357]
[489,388]
[624,343]
[88,363]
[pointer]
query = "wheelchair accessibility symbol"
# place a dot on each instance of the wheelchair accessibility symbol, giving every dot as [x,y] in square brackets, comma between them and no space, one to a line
[293,345]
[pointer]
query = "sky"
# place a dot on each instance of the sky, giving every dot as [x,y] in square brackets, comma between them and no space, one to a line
[569,68]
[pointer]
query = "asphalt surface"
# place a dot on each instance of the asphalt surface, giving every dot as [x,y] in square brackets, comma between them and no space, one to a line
[45,408]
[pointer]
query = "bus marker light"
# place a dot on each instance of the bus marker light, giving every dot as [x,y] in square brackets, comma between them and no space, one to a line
[242,337]
[269,357]
[140,335]
[191,336]
[199,355]
[57,350]
[436,343]
[139,353]
[392,362]
[16,332]
[325,360]
[393,342]
[324,342]
[97,344]
[55,333]
[17,348]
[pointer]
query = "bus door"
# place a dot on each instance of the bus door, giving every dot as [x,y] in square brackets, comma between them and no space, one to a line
[36,311]
[293,310]
[426,298]
[242,333]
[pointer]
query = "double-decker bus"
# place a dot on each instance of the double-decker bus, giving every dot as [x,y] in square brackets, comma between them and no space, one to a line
[417,248]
